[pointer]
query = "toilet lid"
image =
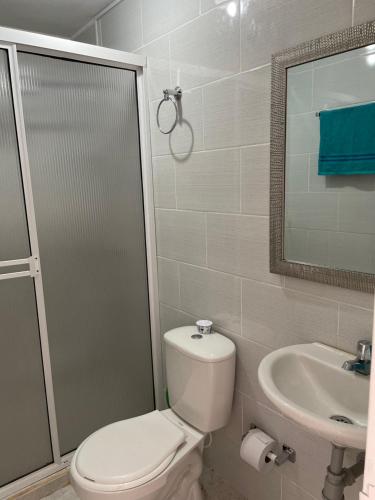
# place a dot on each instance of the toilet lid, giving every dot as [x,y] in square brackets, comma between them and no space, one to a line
[128,450]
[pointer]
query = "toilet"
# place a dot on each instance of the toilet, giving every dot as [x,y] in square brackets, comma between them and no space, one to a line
[158,456]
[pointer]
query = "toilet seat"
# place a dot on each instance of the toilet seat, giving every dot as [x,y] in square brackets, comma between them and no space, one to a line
[129,453]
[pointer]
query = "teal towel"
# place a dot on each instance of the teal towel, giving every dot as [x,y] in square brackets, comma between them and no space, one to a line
[347,141]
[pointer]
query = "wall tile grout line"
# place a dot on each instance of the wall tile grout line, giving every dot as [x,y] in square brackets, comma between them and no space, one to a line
[223,79]
[353,11]
[284,286]
[240,5]
[206,236]
[241,309]
[212,150]
[183,25]
[213,212]
[219,327]
[179,284]
[338,324]
[141,12]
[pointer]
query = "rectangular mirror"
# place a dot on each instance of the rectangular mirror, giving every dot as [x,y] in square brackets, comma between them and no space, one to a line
[322,219]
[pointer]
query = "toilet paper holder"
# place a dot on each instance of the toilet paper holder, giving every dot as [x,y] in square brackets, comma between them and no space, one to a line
[287,452]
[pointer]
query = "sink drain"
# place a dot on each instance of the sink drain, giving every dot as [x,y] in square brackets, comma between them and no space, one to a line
[341,418]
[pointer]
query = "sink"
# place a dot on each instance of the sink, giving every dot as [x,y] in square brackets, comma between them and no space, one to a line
[308,385]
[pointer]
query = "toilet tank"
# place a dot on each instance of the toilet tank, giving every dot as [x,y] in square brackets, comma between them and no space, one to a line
[200,376]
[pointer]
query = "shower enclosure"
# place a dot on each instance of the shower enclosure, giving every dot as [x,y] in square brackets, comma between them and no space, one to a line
[76,274]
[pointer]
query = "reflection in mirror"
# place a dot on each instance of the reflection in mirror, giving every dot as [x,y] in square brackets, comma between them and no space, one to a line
[329,206]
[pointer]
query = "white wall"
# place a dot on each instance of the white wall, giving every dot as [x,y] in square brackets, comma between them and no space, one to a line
[211,189]
[88,34]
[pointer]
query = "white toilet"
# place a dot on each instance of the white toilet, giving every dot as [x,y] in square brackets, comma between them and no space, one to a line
[157,456]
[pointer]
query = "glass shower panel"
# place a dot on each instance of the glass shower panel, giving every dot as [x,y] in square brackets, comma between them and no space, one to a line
[13,225]
[24,428]
[83,141]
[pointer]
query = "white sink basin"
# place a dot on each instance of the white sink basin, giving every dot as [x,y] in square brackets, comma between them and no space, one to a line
[308,384]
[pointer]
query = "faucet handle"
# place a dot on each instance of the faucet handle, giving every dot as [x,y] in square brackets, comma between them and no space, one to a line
[364,348]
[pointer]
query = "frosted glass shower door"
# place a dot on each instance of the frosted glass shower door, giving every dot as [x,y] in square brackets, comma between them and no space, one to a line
[24,425]
[83,143]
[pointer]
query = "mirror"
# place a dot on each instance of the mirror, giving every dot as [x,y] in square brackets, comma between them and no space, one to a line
[323,160]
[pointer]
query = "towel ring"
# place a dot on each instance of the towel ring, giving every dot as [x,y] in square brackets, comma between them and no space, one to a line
[176,93]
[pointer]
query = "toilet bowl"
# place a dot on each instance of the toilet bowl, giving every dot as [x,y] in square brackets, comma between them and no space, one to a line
[157,456]
[145,471]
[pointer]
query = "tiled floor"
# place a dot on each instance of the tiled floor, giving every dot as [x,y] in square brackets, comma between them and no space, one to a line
[214,490]
[66,493]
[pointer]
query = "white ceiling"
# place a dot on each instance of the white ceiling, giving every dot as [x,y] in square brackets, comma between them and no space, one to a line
[55,17]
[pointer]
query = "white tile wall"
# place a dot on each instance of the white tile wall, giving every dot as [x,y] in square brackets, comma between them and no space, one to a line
[331,293]
[209,293]
[164,182]
[197,60]
[211,181]
[181,235]
[364,10]
[236,110]
[354,323]
[161,16]
[268,26]
[255,174]
[159,67]
[231,239]
[249,355]
[88,35]
[276,316]
[112,30]
[172,318]
[169,282]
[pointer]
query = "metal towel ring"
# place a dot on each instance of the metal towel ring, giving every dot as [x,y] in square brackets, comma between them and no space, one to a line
[177,94]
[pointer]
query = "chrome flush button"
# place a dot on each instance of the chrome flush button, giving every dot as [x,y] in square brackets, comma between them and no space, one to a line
[204,326]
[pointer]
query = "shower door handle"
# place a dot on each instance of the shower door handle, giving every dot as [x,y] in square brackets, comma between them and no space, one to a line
[32,262]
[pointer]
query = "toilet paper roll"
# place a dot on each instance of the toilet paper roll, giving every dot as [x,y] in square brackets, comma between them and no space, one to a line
[258,450]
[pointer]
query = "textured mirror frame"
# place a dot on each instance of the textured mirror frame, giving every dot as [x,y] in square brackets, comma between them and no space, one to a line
[328,45]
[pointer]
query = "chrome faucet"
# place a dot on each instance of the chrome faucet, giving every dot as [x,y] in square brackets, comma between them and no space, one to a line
[362,363]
